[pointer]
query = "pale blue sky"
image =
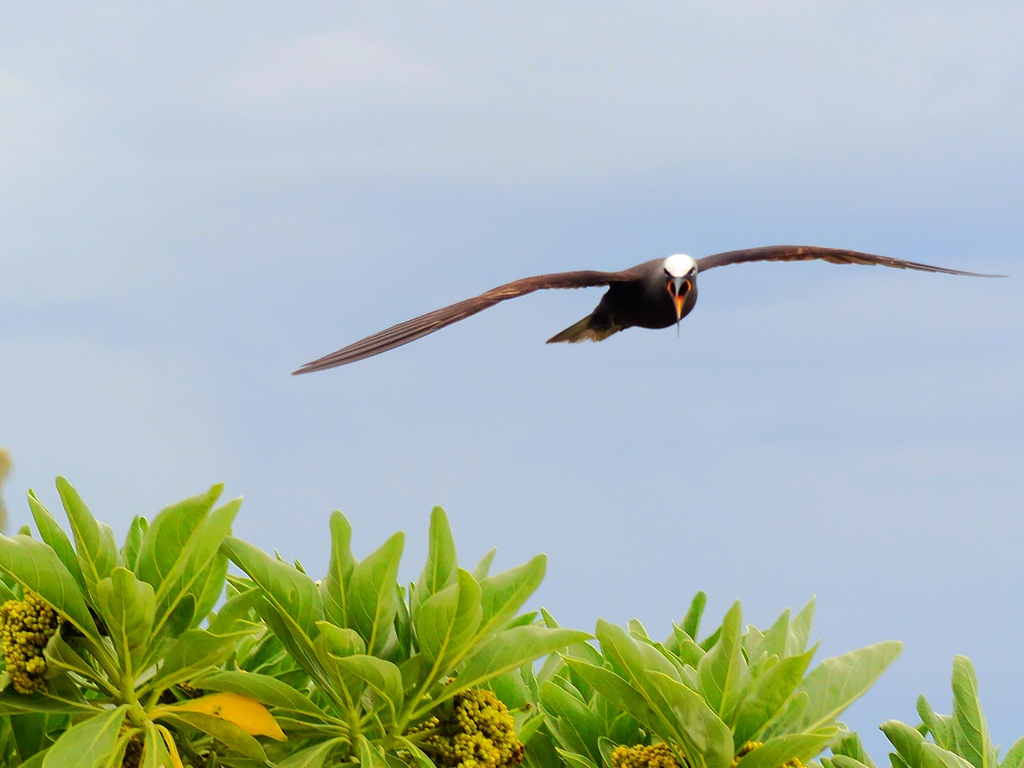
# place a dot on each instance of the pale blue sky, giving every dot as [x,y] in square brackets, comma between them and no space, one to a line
[195,200]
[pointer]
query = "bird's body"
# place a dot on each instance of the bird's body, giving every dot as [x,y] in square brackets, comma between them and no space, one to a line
[654,294]
[640,302]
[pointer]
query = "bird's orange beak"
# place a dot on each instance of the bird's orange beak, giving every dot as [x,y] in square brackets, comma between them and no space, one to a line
[679,287]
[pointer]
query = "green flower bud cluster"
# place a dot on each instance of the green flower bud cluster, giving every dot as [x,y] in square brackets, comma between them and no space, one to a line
[479,734]
[426,725]
[25,628]
[750,746]
[640,756]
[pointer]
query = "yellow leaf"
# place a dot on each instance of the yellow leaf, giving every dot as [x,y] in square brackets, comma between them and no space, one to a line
[172,748]
[248,714]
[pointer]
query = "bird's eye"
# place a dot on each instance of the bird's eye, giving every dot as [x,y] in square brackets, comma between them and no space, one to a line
[672,287]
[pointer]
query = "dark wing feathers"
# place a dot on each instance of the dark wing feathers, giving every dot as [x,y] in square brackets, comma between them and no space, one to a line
[418,327]
[810,252]
[410,330]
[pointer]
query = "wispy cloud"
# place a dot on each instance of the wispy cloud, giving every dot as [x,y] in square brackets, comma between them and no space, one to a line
[326,64]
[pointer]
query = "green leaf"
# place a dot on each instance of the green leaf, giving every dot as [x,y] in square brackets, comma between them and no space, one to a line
[297,643]
[1014,755]
[483,568]
[154,750]
[403,628]
[507,651]
[128,606]
[638,630]
[700,733]
[721,667]
[505,593]
[210,588]
[51,532]
[12,703]
[790,718]
[620,726]
[197,565]
[191,653]
[315,756]
[181,617]
[235,614]
[839,681]
[781,749]
[291,592]
[36,566]
[133,542]
[969,726]
[449,618]
[628,655]
[620,693]
[843,761]
[685,649]
[226,732]
[355,673]
[691,621]
[370,755]
[435,621]
[571,721]
[442,564]
[607,747]
[334,585]
[800,630]
[938,757]
[36,761]
[852,747]
[418,755]
[939,726]
[265,689]
[371,593]
[94,541]
[549,621]
[170,531]
[88,744]
[542,753]
[777,637]
[575,760]
[34,734]
[760,707]
[341,641]
[61,657]
[709,642]
[913,751]
[906,740]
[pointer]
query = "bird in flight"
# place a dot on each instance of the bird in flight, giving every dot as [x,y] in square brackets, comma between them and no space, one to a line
[655,294]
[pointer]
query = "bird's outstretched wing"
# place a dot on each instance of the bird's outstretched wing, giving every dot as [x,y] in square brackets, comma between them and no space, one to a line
[410,330]
[810,252]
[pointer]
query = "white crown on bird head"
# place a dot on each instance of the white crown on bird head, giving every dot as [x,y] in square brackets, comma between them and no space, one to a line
[679,264]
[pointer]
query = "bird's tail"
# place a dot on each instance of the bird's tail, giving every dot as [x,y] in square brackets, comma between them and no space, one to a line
[585,329]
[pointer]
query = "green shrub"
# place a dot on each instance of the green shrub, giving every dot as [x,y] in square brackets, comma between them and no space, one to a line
[960,740]
[150,654]
[142,669]
[739,697]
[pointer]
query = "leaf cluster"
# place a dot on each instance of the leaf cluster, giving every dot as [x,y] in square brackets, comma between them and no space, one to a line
[164,659]
[378,659]
[960,740]
[129,638]
[711,700]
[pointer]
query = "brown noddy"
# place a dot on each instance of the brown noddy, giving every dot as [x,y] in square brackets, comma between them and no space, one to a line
[655,294]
